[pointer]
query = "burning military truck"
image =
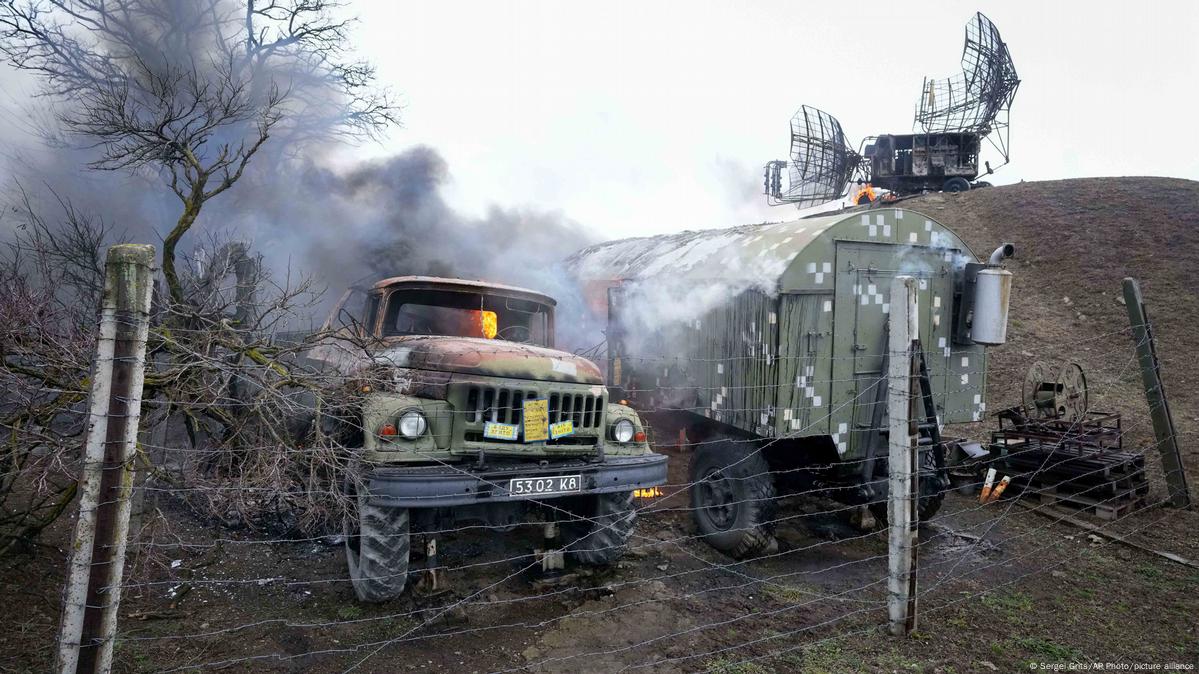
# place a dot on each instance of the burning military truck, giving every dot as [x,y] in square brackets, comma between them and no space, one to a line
[466,413]
[768,343]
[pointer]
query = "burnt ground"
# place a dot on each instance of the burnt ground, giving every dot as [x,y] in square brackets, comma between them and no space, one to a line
[1006,586]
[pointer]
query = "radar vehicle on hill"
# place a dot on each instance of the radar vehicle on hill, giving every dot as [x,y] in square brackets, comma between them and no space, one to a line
[954,117]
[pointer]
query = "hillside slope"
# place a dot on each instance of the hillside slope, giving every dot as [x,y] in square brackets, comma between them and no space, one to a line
[1075,242]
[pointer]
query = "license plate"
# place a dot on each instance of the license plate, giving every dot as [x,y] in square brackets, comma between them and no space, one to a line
[557,484]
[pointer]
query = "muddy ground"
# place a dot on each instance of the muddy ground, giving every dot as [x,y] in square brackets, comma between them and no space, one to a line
[1006,585]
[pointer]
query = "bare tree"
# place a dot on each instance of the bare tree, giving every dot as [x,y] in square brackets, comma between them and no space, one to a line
[254,453]
[50,278]
[191,92]
[193,89]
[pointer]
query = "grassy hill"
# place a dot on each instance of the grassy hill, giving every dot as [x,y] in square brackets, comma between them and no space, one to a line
[1075,242]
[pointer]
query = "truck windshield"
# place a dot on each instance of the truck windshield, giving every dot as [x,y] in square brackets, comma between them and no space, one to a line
[464,314]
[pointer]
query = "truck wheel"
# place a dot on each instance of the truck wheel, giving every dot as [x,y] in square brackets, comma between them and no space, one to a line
[600,539]
[932,492]
[377,548]
[732,497]
[956,185]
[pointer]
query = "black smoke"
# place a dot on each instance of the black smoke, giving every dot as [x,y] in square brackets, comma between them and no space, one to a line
[303,211]
[388,217]
[306,216]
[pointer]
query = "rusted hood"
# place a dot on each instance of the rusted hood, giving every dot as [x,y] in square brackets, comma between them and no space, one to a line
[493,358]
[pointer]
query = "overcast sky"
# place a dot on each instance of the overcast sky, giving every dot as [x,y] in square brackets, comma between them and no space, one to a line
[645,117]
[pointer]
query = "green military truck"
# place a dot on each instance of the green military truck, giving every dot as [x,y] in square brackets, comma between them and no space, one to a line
[467,413]
[767,345]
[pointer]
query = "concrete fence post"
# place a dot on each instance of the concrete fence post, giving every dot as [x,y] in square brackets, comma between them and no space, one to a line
[901,460]
[93,588]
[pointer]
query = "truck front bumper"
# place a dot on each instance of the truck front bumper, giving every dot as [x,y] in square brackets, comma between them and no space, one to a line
[455,485]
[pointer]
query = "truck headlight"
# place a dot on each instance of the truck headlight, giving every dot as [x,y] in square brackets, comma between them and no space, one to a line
[413,424]
[622,430]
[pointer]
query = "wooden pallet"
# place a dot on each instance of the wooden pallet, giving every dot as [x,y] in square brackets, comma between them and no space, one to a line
[1098,475]
[1110,508]
[1080,464]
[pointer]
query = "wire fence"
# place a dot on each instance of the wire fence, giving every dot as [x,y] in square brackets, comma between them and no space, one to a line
[205,591]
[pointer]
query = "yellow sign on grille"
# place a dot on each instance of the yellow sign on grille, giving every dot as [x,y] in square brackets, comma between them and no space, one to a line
[500,431]
[537,420]
[561,429]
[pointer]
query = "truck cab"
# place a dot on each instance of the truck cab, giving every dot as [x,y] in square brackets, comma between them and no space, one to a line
[465,411]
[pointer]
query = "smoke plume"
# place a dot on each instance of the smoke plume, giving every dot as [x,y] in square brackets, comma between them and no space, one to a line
[387,217]
[303,212]
[343,226]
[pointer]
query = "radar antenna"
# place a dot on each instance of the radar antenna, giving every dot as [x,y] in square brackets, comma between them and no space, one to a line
[978,99]
[821,164]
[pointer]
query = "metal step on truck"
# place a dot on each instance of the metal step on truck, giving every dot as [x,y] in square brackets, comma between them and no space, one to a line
[461,411]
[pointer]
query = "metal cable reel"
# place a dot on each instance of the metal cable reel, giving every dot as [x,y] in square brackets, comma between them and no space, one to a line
[1072,403]
[1055,392]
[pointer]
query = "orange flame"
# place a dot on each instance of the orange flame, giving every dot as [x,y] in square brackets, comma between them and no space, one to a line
[865,194]
[652,492]
[487,323]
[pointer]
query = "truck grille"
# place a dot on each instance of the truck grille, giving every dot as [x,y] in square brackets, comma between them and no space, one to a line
[504,405]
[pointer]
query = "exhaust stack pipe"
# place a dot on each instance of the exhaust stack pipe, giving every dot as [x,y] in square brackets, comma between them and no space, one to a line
[992,289]
[1003,252]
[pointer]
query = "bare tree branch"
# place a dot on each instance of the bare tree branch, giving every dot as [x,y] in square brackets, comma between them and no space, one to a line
[194,89]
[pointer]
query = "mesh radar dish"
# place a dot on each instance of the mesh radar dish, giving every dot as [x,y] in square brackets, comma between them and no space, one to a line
[821,164]
[978,99]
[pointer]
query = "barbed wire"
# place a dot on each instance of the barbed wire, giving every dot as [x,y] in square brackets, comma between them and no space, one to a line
[476,599]
[686,486]
[879,557]
[406,636]
[657,542]
[925,610]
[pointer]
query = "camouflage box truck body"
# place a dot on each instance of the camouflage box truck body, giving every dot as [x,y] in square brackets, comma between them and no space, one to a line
[778,331]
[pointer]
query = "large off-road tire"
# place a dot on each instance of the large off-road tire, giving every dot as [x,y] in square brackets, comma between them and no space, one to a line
[956,184]
[733,498]
[932,492]
[377,547]
[601,538]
